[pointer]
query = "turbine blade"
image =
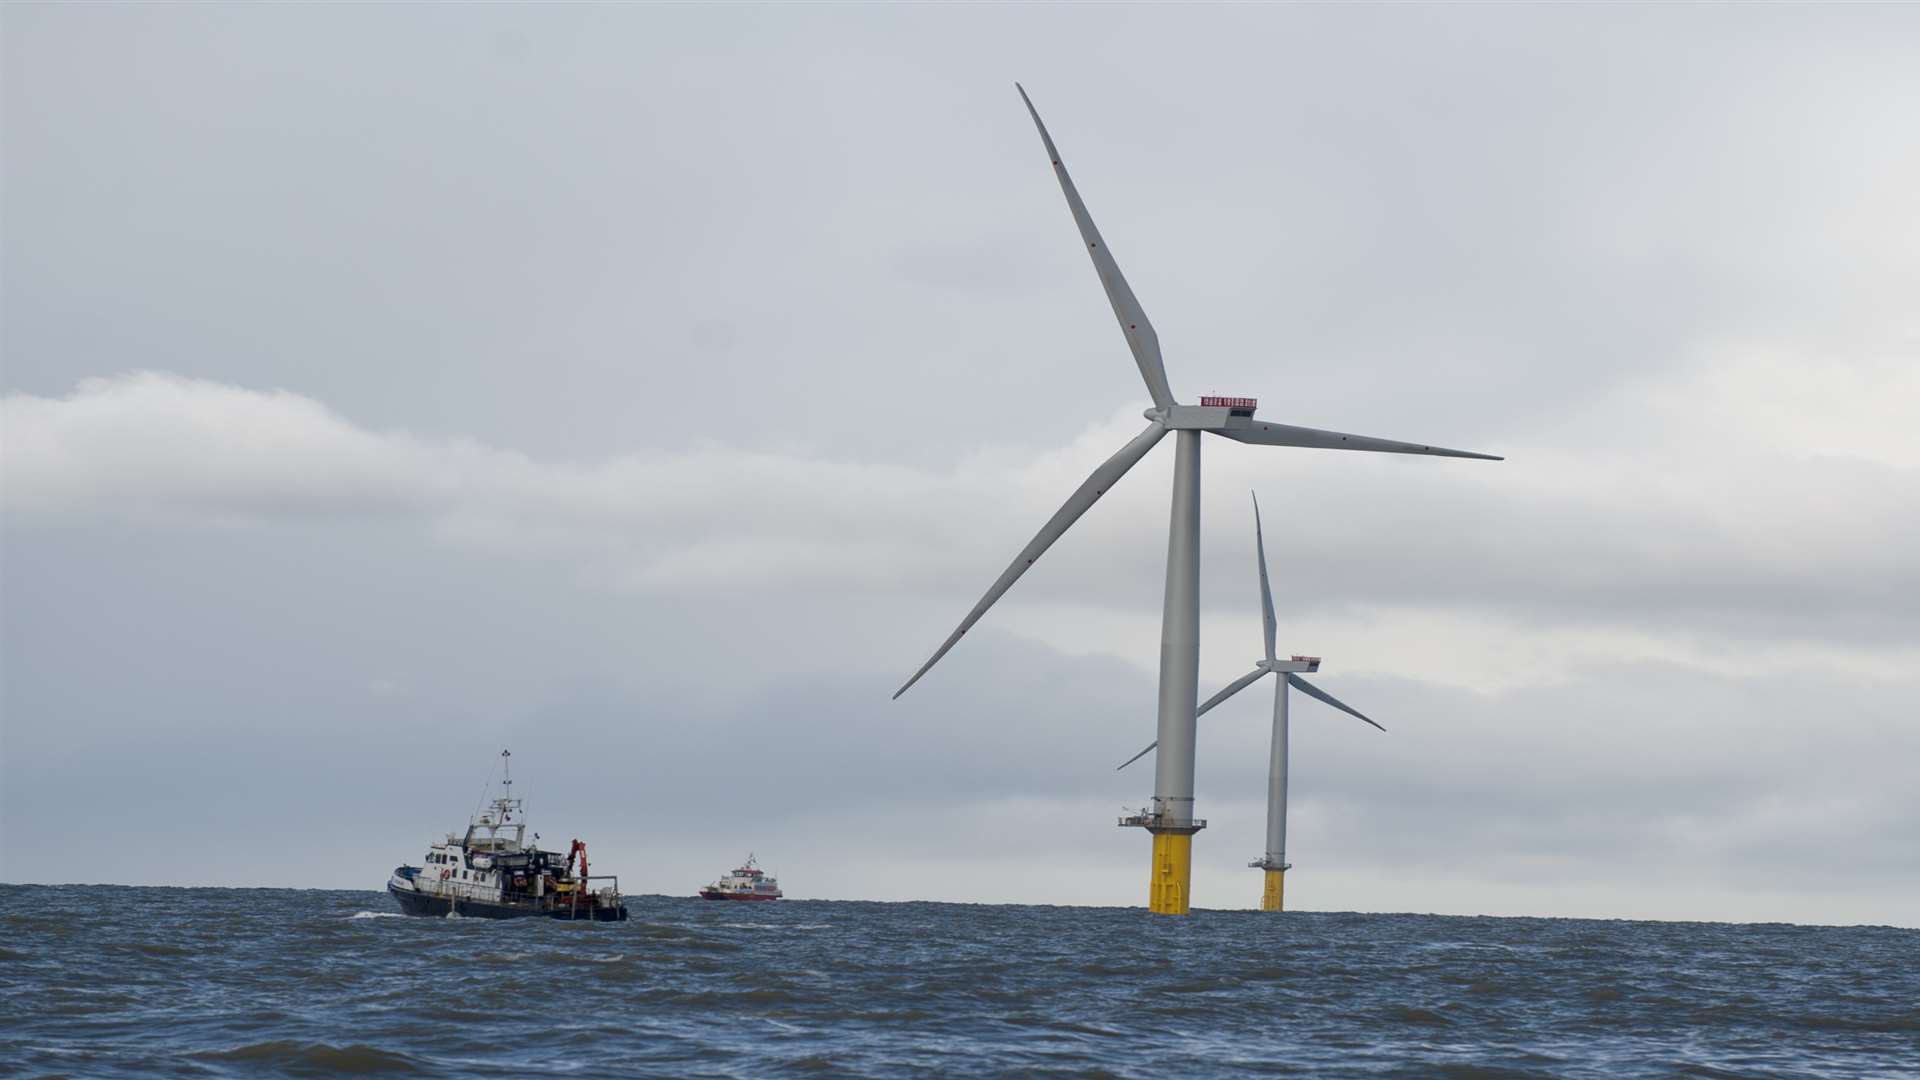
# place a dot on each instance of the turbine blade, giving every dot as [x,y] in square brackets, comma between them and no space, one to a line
[1085,496]
[1233,688]
[1266,590]
[1133,319]
[1260,433]
[1311,690]
[1139,755]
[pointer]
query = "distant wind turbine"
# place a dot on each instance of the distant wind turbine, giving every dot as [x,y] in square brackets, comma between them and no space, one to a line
[1170,815]
[1274,862]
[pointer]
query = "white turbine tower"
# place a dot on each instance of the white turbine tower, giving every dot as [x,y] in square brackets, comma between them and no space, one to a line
[1274,862]
[1170,815]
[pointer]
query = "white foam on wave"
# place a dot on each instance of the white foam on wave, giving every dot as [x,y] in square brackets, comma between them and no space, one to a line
[376,915]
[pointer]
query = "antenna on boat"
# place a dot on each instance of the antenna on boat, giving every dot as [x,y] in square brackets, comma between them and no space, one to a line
[506,783]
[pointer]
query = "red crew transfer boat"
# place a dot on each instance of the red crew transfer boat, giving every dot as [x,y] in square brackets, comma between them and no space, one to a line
[745,883]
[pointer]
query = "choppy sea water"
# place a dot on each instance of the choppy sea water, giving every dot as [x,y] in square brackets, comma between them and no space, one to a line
[114,981]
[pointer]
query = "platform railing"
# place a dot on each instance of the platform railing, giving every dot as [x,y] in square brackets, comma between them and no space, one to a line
[1157,821]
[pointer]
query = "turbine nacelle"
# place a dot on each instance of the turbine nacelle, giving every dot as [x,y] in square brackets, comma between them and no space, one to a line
[1298,663]
[1200,417]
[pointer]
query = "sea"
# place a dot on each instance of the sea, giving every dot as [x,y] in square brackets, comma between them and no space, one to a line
[108,981]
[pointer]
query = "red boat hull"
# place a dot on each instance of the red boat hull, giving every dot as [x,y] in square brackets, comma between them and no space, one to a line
[712,894]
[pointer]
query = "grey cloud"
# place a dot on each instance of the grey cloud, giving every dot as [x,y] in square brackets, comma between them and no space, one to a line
[1645,775]
[1415,214]
[1702,535]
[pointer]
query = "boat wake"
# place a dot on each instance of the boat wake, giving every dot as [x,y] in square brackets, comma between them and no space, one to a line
[375,915]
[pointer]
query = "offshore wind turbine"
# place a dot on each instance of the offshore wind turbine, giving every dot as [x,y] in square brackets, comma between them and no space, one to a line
[1274,862]
[1169,817]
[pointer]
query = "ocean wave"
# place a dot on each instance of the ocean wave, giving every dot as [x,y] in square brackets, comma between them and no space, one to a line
[249,983]
[1899,1022]
[1408,1014]
[154,948]
[315,1058]
[775,926]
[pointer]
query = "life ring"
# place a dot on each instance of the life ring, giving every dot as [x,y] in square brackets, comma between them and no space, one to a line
[445,874]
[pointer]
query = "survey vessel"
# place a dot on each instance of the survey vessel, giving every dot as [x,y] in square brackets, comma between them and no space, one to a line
[491,871]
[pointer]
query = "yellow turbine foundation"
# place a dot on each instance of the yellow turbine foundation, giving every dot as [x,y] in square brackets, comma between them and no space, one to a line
[1171,884]
[1273,896]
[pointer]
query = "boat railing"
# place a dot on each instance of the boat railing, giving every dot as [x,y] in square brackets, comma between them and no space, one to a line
[582,902]
[584,886]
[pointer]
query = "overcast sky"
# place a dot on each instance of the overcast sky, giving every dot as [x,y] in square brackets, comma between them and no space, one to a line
[650,389]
